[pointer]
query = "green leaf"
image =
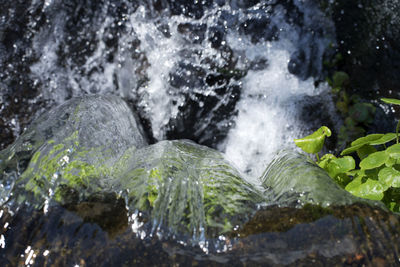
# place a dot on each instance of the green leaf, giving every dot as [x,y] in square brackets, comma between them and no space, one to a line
[356,173]
[351,149]
[384,139]
[374,160]
[339,78]
[353,185]
[371,189]
[367,139]
[393,206]
[365,151]
[358,143]
[342,179]
[391,101]
[323,162]
[394,151]
[328,156]
[390,162]
[362,112]
[340,165]
[313,143]
[390,177]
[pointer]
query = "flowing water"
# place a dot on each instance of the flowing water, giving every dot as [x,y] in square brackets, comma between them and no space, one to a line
[82,186]
[236,76]
[242,77]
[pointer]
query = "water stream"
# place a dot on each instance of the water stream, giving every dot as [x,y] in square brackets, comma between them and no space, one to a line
[98,176]
[234,76]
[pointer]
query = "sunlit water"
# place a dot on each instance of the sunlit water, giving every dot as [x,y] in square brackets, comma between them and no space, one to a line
[223,79]
[245,78]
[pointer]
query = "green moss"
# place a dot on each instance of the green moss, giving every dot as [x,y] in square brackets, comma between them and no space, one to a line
[189,187]
[62,165]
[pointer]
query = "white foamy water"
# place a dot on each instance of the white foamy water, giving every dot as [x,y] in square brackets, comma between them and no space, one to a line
[146,57]
[267,120]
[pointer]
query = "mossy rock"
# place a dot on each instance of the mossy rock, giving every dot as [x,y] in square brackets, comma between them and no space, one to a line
[72,146]
[189,188]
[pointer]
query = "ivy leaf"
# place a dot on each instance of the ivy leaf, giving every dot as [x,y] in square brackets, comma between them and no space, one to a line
[339,78]
[365,150]
[389,176]
[328,156]
[313,143]
[390,162]
[374,160]
[384,139]
[371,189]
[367,139]
[362,112]
[391,101]
[323,162]
[394,151]
[358,143]
[356,173]
[353,185]
[340,165]
[342,179]
[351,149]
[393,206]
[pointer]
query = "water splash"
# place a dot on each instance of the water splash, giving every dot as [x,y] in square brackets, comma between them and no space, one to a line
[224,77]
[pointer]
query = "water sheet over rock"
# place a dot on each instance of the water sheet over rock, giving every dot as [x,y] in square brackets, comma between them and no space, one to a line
[68,148]
[294,180]
[81,186]
[189,188]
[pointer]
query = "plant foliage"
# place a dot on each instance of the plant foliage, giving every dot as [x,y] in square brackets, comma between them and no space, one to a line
[377,175]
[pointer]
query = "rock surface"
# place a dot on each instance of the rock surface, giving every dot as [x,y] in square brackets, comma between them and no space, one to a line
[81,186]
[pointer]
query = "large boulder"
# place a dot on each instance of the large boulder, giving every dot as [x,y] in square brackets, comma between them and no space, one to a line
[189,188]
[82,186]
[70,147]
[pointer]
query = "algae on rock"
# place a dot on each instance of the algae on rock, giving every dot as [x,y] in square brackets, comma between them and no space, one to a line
[93,145]
[68,150]
[187,187]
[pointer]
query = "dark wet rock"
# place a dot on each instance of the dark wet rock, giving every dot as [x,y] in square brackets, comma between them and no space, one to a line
[206,119]
[193,9]
[259,29]
[208,95]
[193,33]
[186,76]
[19,95]
[356,235]
[216,36]
[368,38]
[85,195]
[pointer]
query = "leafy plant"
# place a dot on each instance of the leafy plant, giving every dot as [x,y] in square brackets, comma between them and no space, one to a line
[356,114]
[314,142]
[377,176]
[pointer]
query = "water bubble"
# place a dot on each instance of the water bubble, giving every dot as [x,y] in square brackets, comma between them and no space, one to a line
[2,241]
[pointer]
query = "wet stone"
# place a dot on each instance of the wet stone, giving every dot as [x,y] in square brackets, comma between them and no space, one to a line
[357,235]
[81,197]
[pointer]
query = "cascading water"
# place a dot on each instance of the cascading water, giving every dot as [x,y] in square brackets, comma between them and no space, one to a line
[226,77]
[83,186]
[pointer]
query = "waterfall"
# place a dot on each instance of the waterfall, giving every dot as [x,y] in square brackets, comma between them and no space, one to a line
[233,76]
